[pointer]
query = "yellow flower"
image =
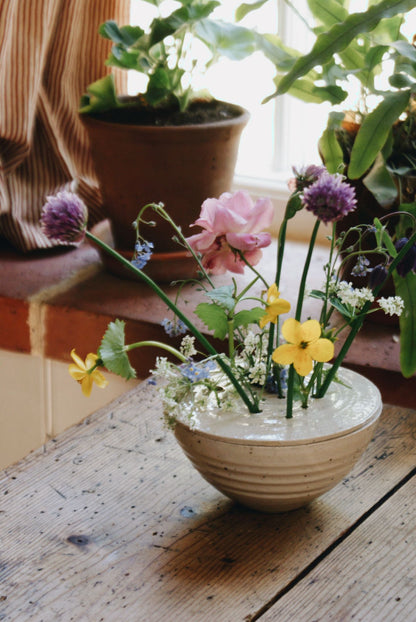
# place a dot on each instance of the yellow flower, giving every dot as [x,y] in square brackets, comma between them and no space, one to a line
[80,372]
[275,306]
[305,346]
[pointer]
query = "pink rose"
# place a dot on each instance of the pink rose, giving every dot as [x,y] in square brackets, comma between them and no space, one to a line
[230,224]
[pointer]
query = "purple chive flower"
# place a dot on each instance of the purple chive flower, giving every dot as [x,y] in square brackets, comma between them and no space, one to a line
[174,327]
[408,262]
[64,218]
[329,197]
[305,177]
[142,254]
[198,371]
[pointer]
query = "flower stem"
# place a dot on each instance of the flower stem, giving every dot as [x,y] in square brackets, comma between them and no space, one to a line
[252,405]
[157,344]
[358,322]
[301,295]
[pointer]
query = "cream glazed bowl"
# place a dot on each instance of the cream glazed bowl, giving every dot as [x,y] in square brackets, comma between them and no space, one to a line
[273,464]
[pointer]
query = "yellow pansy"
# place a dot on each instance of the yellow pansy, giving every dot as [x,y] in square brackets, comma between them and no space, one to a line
[80,371]
[275,306]
[304,346]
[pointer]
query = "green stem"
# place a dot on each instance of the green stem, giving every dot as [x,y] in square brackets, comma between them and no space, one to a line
[301,295]
[251,405]
[302,285]
[157,344]
[358,322]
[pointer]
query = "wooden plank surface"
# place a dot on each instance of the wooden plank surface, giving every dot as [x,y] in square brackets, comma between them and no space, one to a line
[370,577]
[112,523]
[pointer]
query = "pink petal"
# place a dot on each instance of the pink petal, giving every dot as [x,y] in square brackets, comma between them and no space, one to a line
[248,241]
[261,216]
[202,242]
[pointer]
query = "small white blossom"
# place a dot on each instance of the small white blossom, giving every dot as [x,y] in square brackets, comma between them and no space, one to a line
[257,373]
[393,305]
[354,297]
[188,346]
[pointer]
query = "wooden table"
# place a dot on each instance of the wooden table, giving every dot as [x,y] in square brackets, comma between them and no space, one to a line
[111,523]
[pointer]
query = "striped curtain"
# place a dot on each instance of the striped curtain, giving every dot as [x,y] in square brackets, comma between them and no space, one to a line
[50,51]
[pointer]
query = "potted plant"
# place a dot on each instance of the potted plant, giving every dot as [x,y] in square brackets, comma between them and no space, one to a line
[168,142]
[374,145]
[271,420]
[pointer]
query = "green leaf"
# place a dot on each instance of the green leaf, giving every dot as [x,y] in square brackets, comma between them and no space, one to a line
[248,316]
[327,12]
[126,35]
[214,318]
[331,151]
[234,42]
[339,306]
[380,183]
[406,288]
[401,81]
[113,353]
[101,95]
[337,38]
[374,132]
[246,8]
[223,296]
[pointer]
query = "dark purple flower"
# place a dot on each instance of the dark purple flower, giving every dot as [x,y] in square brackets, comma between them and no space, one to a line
[377,276]
[329,197]
[305,177]
[64,218]
[408,262]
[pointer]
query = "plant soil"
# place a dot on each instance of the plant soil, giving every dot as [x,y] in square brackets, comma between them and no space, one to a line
[199,112]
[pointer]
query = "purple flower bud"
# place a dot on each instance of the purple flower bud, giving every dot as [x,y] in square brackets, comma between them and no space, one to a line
[64,218]
[305,177]
[377,276]
[329,198]
[408,262]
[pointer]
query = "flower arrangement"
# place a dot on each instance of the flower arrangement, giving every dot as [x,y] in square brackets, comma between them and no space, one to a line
[265,349]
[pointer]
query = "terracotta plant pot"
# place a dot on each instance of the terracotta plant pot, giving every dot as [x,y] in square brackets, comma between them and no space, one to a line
[273,464]
[179,166]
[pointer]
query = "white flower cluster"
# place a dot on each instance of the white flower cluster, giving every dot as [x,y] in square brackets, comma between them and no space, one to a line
[355,297]
[184,398]
[188,346]
[252,358]
[393,305]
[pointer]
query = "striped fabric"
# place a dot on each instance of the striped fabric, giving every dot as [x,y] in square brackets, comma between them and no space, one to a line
[49,52]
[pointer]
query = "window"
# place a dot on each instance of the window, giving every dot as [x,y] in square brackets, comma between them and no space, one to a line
[279,133]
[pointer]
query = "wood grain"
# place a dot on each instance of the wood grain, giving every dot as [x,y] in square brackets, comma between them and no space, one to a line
[111,523]
[371,576]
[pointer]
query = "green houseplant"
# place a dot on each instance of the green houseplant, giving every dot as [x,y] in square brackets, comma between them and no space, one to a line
[168,142]
[375,144]
[253,417]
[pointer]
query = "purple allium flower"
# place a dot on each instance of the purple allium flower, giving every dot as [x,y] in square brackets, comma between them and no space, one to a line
[174,327]
[305,177]
[64,218]
[329,198]
[408,262]
[142,254]
[198,371]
